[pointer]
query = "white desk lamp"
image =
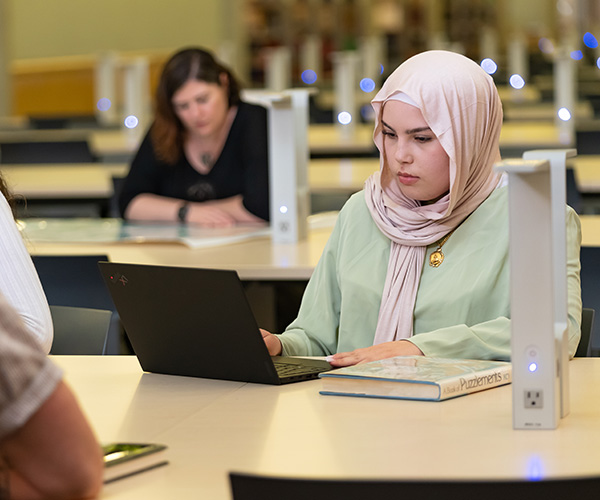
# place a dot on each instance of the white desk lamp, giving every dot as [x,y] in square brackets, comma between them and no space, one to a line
[136,98]
[278,68]
[289,193]
[105,88]
[565,94]
[539,345]
[346,111]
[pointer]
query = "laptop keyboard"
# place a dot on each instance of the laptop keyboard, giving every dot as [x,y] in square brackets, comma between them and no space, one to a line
[290,370]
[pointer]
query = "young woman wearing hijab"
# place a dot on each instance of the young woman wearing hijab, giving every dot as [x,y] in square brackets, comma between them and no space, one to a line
[417,263]
[205,158]
[19,282]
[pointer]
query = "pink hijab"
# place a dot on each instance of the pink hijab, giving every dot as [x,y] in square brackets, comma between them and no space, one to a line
[460,103]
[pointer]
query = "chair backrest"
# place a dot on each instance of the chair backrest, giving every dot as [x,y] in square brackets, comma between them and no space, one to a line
[590,288]
[250,487]
[574,197]
[75,281]
[586,140]
[64,122]
[584,349]
[113,205]
[79,330]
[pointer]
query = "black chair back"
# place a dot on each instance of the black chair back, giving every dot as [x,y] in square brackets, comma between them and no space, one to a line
[584,349]
[75,280]
[251,487]
[574,197]
[46,152]
[590,289]
[79,330]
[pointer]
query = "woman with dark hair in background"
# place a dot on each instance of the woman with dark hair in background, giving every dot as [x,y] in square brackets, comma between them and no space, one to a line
[205,159]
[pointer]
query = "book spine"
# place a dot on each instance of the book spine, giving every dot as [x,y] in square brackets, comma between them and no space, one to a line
[478,381]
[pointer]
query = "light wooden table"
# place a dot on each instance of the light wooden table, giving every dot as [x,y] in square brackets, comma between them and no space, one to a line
[340,176]
[516,136]
[334,139]
[348,175]
[107,144]
[213,427]
[253,257]
[114,145]
[326,176]
[63,181]
[12,123]
[529,94]
[94,180]
[524,135]
[322,140]
[590,230]
[587,172]
[23,134]
[545,111]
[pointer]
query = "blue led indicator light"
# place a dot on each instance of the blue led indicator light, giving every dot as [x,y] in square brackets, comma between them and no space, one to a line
[309,76]
[131,121]
[367,85]
[103,104]
[344,118]
[590,40]
[577,55]
[516,81]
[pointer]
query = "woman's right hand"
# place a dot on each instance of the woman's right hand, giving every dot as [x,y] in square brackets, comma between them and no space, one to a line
[272,342]
[206,214]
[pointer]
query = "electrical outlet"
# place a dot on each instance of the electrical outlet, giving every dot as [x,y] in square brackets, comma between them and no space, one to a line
[534,398]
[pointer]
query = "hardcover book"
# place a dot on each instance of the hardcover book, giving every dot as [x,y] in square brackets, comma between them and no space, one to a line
[416,377]
[126,459]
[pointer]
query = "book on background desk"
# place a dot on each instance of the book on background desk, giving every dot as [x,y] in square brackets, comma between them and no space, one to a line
[122,460]
[416,377]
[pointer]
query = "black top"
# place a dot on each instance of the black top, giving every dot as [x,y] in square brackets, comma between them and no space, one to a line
[242,168]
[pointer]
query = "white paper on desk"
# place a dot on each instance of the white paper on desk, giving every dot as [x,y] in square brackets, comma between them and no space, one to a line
[201,238]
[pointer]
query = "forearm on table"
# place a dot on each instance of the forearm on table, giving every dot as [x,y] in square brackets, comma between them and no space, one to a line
[488,340]
[148,206]
[234,207]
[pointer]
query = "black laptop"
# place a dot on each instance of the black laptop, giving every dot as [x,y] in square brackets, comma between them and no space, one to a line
[198,323]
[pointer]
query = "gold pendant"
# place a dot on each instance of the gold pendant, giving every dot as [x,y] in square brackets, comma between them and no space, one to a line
[436,258]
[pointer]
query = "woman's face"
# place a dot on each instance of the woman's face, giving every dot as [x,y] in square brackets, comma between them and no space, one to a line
[415,159]
[201,107]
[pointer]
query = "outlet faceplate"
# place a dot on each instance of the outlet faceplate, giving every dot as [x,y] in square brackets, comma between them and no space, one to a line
[534,398]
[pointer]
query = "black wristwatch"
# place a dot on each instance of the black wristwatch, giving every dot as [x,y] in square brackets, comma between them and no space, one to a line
[183,211]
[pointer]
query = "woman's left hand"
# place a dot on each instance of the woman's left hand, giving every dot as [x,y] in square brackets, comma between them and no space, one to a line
[373,353]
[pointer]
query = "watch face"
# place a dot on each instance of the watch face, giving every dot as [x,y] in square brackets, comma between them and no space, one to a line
[183,210]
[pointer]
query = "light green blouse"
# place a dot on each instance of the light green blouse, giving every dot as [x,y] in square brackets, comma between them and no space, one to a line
[462,307]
